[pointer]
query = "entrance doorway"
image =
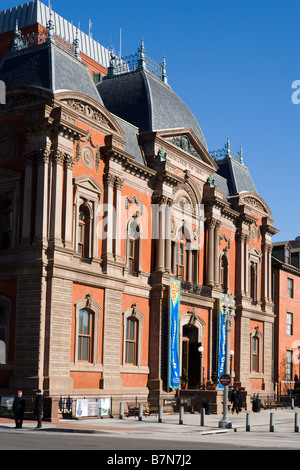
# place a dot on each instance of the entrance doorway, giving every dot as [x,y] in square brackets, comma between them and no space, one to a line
[190,362]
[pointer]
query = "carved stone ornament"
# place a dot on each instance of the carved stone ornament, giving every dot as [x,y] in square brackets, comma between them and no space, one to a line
[254,203]
[89,111]
[6,149]
[184,143]
[87,157]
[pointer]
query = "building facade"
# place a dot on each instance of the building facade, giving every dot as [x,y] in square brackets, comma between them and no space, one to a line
[108,191]
[286,278]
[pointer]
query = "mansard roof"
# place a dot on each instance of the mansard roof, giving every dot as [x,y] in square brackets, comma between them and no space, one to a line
[146,102]
[47,66]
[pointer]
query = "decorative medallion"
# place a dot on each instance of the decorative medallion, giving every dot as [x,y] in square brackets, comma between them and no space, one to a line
[6,149]
[87,156]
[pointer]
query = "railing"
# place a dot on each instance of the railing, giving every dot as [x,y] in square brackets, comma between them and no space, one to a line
[197,289]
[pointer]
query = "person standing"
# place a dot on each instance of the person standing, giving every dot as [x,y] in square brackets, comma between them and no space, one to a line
[38,408]
[236,400]
[19,406]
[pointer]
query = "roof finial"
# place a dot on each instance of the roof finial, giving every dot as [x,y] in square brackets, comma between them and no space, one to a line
[76,45]
[241,155]
[142,61]
[163,71]
[17,38]
[50,27]
[227,147]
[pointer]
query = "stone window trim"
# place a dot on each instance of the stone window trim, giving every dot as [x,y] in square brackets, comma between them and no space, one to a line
[93,307]
[256,333]
[139,317]
[88,193]
[6,303]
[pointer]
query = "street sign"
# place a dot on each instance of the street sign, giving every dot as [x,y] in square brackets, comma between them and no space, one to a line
[225,379]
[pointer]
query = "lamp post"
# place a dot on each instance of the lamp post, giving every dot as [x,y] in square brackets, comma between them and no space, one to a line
[228,305]
[200,349]
[231,358]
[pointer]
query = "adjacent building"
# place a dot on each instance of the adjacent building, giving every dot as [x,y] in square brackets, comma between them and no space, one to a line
[286,292]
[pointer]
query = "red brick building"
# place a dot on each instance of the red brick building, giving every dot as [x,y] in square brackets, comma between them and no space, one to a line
[107,191]
[286,289]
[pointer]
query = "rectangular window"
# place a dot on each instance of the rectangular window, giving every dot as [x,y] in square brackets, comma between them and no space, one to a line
[84,336]
[289,365]
[289,323]
[290,288]
[254,354]
[131,340]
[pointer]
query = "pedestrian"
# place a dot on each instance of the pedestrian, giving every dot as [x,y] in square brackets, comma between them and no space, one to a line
[19,406]
[236,400]
[38,408]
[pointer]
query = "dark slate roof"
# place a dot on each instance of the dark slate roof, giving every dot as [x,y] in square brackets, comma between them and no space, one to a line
[131,139]
[237,176]
[146,102]
[47,66]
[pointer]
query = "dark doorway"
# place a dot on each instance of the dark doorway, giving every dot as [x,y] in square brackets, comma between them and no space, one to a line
[190,355]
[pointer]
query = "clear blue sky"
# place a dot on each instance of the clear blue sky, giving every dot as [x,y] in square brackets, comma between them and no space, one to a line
[233,63]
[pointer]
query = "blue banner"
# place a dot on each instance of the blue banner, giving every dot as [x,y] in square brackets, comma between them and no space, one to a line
[222,342]
[174,366]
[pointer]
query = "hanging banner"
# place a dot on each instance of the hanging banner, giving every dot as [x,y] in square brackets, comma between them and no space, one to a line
[222,342]
[174,366]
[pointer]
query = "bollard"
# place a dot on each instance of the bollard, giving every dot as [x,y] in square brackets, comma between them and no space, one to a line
[140,412]
[121,415]
[202,416]
[111,408]
[272,422]
[293,403]
[181,413]
[296,422]
[248,422]
[160,414]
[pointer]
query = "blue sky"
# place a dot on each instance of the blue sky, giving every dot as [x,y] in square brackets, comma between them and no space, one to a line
[233,63]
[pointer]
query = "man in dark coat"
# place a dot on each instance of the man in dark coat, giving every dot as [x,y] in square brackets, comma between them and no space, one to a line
[19,406]
[236,400]
[38,408]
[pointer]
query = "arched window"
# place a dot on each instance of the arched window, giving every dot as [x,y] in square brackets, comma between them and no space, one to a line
[134,247]
[253,282]
[255,350]
[85,339]
[131,341]
[224,273]
[181,255]
[84,231]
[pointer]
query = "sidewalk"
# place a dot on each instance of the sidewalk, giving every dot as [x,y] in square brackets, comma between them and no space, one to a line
[282,420]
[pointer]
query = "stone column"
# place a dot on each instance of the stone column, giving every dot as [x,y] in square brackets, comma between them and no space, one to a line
[168,250]
[42,203]
[211,252]
[58,160]
[109,181]
[118,216]
[69,164]
[216,253]
[160,256]
[27,203]
[246,269]
[240,262]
